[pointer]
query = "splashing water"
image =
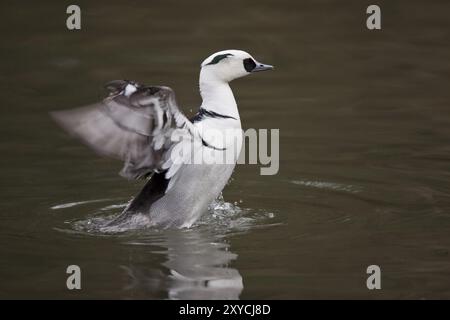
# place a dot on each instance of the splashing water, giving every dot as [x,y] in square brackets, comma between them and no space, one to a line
[222,216]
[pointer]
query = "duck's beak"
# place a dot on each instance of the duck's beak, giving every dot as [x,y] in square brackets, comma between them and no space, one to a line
[262,67]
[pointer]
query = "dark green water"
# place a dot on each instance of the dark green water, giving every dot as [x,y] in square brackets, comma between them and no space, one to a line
[364,119]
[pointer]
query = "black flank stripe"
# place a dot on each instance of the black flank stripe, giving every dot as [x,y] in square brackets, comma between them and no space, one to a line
[203,113]
[206,144]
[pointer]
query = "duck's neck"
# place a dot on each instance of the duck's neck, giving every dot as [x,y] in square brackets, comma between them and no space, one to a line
[217,96]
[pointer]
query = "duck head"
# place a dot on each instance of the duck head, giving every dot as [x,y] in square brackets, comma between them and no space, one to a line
[227,65]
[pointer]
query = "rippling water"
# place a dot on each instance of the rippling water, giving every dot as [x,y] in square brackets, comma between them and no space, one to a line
[196,261]
[364,177]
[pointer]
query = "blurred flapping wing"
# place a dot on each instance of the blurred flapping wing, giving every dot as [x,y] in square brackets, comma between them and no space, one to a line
[134,123]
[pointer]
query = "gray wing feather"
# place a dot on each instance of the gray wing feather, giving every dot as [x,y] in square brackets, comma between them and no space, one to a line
[134,124]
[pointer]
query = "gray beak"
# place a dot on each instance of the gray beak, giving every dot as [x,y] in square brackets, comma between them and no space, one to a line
[262,67]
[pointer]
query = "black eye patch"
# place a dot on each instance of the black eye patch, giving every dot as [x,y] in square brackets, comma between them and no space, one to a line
[249,64]
[219,57]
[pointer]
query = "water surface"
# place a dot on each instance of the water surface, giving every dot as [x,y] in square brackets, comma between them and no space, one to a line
[364,179]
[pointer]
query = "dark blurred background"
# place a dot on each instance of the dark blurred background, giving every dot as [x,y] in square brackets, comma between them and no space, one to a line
[364,121]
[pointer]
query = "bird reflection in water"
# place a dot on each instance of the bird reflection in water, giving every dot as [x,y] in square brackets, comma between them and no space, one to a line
[196,266]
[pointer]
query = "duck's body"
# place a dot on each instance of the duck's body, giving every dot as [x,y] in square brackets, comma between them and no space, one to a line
[138,122]
[197,187]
